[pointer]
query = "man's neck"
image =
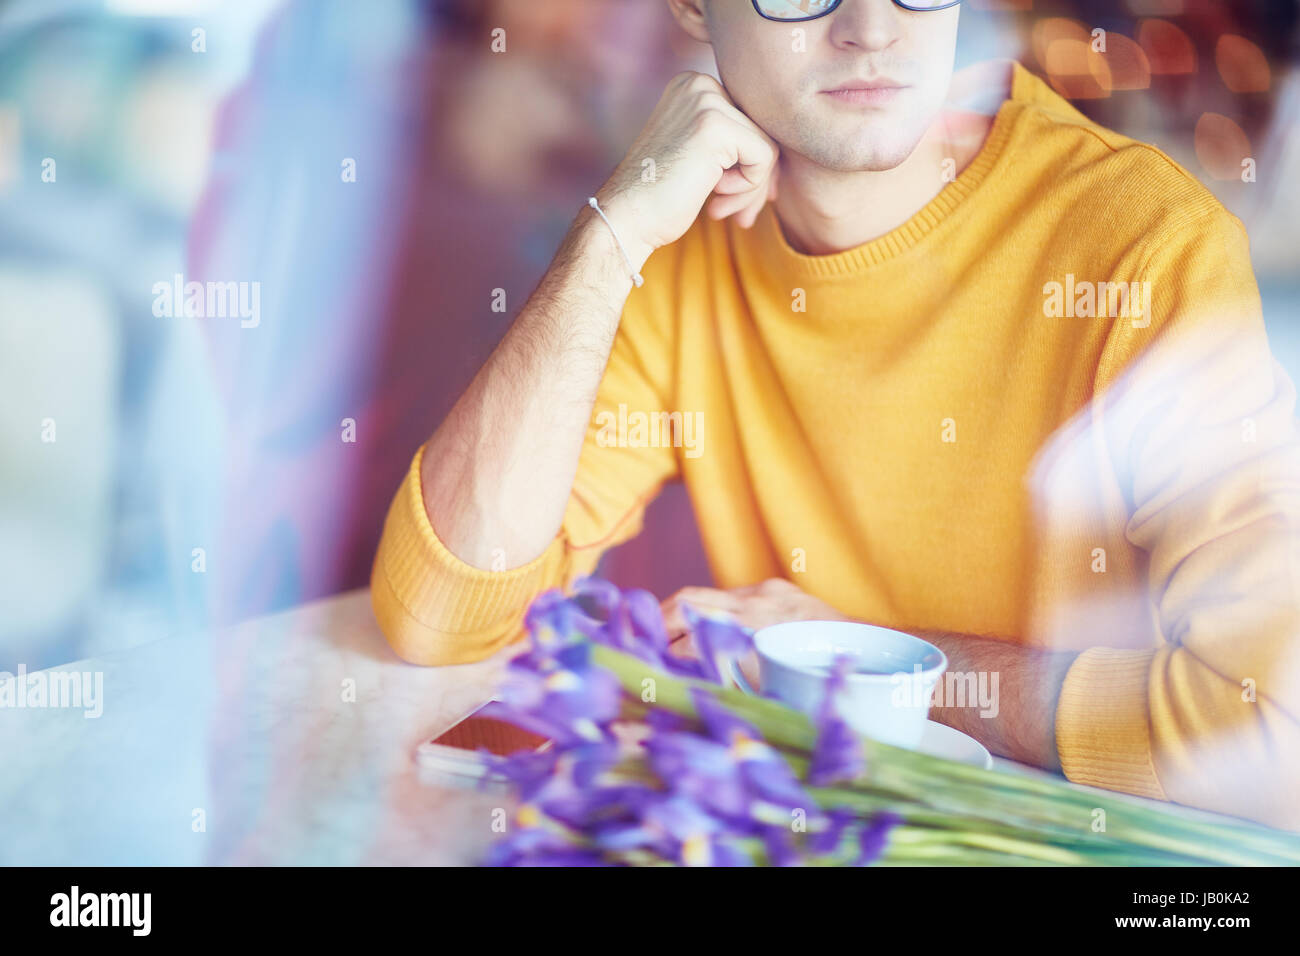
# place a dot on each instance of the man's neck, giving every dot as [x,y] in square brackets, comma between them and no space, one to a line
[824,211]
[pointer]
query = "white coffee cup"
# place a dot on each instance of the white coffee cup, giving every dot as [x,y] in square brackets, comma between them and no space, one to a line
[887,691]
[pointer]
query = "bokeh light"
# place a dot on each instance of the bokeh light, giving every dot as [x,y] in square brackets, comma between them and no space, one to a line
[1169,50]
[1242,65]
[1047,31]
[1222,146]
[1123,64]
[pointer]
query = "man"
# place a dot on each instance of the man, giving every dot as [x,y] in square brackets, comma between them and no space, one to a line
[1003,383]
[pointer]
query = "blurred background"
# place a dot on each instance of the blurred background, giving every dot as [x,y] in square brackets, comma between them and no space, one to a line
[375,171]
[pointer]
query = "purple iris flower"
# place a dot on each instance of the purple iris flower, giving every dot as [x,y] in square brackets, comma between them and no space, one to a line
[724,853]
[527,844]
[627,621]
[719,641]
[828,839]
[567,785]
[677,828]
[701,839]
[526,771]
[647,620]
[719,792]
[565,858]
[763,770]
[594,807]
[665,721]
[555,690]
[874,836]
[779,843]
[632,622]
[837,754]
[550,617]
[597,595]
[519,851]
[728,771]
[700,768]
[720,723]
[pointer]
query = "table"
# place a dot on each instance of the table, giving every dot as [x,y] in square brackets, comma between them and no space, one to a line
[283,740]
[287,739]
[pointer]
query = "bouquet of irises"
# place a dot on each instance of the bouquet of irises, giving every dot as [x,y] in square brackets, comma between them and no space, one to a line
[656,759]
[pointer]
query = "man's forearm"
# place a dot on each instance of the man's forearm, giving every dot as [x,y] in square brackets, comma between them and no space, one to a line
[497,474]
[1028,685]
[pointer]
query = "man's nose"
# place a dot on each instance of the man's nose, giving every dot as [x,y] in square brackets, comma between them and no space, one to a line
[866,24]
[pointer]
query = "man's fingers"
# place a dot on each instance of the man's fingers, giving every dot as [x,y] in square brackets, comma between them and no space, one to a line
[700,599]
[755,156]
[747,185]
[745,203]
[749,215]
[733,181]
[720,207]
[682,645]
[748,152]
[674,622]
[746,213]
[705,597]
[740,145]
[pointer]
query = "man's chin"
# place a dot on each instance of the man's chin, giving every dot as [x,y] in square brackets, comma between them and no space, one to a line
[860,157]
[869,144]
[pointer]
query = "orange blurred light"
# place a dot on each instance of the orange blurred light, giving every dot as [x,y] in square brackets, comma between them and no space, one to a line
[1242,65]
[1168,49]
[1076,72]
[1049,30]
[1126,66]
[1221,146]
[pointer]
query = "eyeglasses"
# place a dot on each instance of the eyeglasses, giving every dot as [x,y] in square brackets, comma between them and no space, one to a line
[790,11]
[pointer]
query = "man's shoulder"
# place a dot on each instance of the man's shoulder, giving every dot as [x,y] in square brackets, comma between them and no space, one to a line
[1132,181]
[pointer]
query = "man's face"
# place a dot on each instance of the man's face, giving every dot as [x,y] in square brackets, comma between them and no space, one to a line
[782,76]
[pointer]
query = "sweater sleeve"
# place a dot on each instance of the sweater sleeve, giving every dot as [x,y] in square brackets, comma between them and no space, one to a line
[1200,430]
[434,608]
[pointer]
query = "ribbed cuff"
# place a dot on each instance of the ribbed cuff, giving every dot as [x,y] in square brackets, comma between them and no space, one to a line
[1103,726]
[435,608]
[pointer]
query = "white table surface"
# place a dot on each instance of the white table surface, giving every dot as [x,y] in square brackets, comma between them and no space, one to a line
[249,725]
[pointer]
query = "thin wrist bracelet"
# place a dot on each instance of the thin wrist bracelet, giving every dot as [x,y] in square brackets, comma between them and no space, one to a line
[636,276]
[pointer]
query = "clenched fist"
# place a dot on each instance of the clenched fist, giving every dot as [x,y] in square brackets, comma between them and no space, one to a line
[700,145]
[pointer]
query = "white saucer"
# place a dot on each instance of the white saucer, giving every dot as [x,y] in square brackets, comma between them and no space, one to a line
[940,740]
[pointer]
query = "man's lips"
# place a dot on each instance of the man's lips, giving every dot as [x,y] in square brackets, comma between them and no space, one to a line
[866,92]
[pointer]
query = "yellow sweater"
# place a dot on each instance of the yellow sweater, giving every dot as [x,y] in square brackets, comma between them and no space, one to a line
[922,431]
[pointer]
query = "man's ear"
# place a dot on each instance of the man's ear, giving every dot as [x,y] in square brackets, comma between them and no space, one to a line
[690,15]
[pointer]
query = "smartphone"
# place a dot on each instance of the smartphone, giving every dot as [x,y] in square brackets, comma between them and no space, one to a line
[455,752]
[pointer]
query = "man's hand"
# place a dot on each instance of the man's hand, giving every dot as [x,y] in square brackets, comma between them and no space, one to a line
[1029,678]
[774,601]
[695,143]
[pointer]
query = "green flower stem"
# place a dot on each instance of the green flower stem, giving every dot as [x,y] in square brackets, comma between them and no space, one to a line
[1028,849]
[1094,845]
[926,816]
[992,807]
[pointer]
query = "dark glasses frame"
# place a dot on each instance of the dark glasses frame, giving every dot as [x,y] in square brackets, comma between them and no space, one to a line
[835,6]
